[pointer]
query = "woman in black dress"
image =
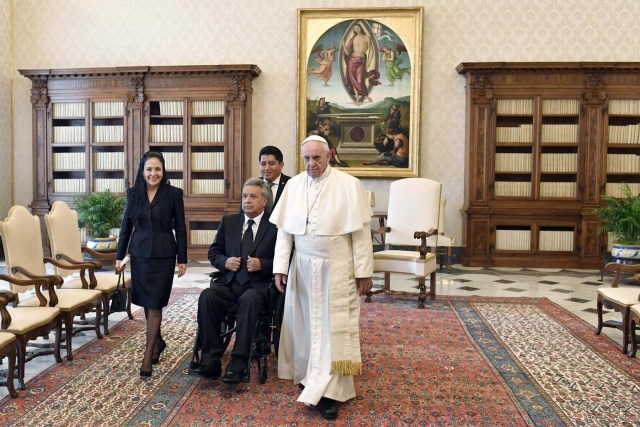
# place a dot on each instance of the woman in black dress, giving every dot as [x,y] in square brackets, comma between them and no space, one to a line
[154,209]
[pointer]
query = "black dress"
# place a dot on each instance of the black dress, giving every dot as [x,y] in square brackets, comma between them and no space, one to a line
[153,247]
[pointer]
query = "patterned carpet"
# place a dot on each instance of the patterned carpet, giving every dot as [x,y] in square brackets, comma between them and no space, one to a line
[461,361]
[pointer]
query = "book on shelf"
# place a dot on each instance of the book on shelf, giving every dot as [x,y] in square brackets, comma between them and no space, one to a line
[108,133]
[207,161]
[108,109]
[512,189]
[207,133]
[560,107]
[171,108]
[166,133]
[555,241]
[69,185]
[614,189]
[626,134]
[115,185]
[207,186]
[560,133]
[514,134]
[514,107]
[177,182]
[513,240]
[624,107]
[108,160]
[207,108]
[68,161]
[559,162]
[68,110]
[558,189]
[623,163]
[173,160]
[202,237]
[68,134]
[513,162]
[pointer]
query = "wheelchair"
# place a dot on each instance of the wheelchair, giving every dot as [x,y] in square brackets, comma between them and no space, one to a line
[266,335]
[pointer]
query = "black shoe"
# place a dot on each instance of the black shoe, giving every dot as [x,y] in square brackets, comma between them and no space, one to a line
[145,374]
[161,348]
[233,377]
[328,408]
[210,371]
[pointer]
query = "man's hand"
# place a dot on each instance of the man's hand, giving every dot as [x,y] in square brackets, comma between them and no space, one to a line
[232,263]
[364,284]
[281,281]
[182,268]
[253,264]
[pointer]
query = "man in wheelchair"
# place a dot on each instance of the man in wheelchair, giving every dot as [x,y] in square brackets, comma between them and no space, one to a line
[243,252]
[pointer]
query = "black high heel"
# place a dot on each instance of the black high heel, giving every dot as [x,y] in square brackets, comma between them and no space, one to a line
[146,374]
[156,359]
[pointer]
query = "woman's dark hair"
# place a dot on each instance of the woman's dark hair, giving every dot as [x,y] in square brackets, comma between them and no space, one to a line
[139,190]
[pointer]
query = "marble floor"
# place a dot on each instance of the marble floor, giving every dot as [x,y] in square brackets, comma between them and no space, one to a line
[574,290]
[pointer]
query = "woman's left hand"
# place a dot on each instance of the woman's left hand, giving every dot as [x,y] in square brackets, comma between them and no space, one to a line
[182,268]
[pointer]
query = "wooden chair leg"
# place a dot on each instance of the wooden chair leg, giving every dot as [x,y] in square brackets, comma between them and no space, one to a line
[11,355]
[98,318]
[106,311]
[634,339]
[58,340]
[625,329]
[21,350]
[599,310]
[422,295]
[449,253]
[68,333]
[432,286]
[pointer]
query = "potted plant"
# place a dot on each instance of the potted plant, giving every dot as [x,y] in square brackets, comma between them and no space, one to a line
[100,212]
[621,218]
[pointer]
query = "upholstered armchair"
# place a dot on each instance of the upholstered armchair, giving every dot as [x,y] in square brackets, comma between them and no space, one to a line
[66,249]
[414,206]
[29,323]
[24,256]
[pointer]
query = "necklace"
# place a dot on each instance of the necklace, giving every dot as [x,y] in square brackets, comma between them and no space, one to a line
[314,201]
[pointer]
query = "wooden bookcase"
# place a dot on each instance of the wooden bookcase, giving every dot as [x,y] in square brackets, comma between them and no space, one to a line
[91,126]
[544,142]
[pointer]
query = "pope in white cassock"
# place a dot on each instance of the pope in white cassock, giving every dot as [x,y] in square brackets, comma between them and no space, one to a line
[326,213]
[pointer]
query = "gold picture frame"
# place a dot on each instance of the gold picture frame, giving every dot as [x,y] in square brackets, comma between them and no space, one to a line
[359,76]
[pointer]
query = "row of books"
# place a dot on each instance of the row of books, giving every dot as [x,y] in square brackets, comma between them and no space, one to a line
[560,133]
[523,189]
[68,161]
[177,183]
[111,160]
[207,108]
[108,109]
[513,162]
[68,134]
[623,163]
[555,241]
[115,185]
[108,133]
[202,237]
[559,162]
[207,133]
[615,189]
[69,185]
[513,240]
[207,186]
[558,189]
[68,110]
[629,134]
[166,133]
[560,107]
[514,107]
[207,161]
[624,107]
[173,161]
[171,108]
[514,134]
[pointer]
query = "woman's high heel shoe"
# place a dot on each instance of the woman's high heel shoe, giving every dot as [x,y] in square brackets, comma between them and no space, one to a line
[156,359]
[145,374]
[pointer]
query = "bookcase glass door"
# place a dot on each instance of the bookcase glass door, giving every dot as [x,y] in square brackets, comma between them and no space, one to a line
[623,146]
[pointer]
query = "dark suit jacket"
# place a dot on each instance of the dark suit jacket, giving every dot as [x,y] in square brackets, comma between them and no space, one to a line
[151,234]
[283,181]
[227,244]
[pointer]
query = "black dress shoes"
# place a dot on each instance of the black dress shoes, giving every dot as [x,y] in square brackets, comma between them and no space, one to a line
[328,408]
[210,371]
[233,377]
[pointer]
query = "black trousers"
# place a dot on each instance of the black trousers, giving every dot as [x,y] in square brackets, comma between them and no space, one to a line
[214,303]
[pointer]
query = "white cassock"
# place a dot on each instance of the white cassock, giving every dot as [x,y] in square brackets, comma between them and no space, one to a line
[328,219]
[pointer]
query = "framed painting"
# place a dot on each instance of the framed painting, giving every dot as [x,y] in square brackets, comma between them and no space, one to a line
[359,75]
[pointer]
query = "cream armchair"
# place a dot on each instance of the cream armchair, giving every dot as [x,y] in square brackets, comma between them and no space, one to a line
[66,248]
[414,206]
[22,242]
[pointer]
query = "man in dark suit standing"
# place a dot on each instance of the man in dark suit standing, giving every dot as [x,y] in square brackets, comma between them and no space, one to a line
[271,164]
[243,252]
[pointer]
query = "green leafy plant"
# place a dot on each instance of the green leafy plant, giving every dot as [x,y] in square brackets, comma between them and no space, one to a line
[621,217]
[100,212]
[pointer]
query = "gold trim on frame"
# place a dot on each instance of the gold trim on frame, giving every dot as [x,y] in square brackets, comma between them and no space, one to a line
[407,25]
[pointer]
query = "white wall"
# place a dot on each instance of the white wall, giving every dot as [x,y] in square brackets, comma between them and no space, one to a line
[5,107]
[98,33]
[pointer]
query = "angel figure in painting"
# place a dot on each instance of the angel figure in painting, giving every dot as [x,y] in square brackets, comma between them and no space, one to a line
[391,57]
[325,64]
